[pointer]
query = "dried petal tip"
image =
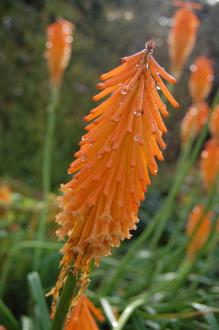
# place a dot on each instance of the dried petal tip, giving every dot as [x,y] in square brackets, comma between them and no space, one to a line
[99,206]
[150,45]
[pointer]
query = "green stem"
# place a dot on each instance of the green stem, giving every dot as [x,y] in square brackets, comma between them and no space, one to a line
[64,303]
[46,170]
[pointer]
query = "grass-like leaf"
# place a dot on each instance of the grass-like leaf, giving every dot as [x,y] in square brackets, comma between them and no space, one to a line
[39,299]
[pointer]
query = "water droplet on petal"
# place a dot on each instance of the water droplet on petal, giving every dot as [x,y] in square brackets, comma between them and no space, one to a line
[210,78]
[124,90]
[83,157]
[69,39]
[107,148]
[193,68]
[138,138]
[99,155]
[66,29]
[204,154]
[117,118]
[158,88]
[48,44]
[138,112]
[153,129]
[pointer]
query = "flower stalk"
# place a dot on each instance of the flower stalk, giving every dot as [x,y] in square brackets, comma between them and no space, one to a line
[64,302]
[58,52]
[46,170]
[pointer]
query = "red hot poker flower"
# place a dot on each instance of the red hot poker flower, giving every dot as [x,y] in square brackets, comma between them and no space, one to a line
[201,79]
[194,120]
[203,231]
[100,204]
[214,123]
[210,162]
[182,38]
[59,40]
[82,316]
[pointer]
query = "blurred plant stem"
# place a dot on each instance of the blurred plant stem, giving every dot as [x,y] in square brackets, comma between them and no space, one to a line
[46,170]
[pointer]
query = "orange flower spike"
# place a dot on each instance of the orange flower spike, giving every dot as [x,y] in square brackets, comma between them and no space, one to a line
[194,120]
[59,40]
[99,206]
[201,79]
[182,38]
[214,123]
[82,316]
[210,162]
[203,231]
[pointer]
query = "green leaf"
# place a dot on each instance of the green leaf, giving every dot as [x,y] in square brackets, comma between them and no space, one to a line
[39,299]
[27,323]
[208,315]
[108,312]
[7,319]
